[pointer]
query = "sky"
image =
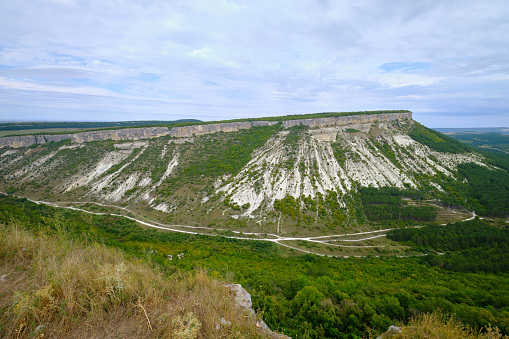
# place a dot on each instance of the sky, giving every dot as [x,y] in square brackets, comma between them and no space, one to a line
[113,60]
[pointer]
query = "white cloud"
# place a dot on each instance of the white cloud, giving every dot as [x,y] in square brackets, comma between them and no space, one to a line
[242,58]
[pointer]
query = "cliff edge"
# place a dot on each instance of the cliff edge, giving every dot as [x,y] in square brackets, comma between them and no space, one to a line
[195,130]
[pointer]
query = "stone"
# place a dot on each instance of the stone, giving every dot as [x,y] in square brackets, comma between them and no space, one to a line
[243,299]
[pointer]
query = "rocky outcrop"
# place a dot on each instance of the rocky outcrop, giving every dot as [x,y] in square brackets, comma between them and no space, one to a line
[348,120]
[15,142]
[189,131]
[57,137]
[40,139]
[195,130]
[391,332]
[264,123]
[243,299]
[121,134]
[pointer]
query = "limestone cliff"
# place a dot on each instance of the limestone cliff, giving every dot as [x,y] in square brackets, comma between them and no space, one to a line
[347,120]
[56,137]
[121,134]
[189,131]
[15,142]
[196,130]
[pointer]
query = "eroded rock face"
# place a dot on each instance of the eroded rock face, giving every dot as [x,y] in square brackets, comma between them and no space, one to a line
[57,138]
[195,130]
[189,131]
[15,142]
[318,162]
[348,120]
[264,123]
[121,134]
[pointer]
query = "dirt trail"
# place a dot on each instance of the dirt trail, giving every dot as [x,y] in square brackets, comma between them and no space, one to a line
[275,238]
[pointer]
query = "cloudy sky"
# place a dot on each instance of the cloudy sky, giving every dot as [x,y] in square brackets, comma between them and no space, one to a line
[110,60]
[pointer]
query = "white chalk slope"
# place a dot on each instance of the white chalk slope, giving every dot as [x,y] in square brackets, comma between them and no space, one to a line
[322,160]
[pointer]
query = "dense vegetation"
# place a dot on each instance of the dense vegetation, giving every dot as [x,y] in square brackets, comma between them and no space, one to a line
[305,209]
[479,188]
[489,187]
[484,140]
[305,296]
[221,154]
[386,203]
[436,141]
[487,190]
[496,158]
[469,246]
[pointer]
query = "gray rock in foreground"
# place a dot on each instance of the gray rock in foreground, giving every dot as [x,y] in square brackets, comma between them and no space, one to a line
[243,299]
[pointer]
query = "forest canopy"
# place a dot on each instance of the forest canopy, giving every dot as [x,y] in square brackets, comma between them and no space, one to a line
[322,297]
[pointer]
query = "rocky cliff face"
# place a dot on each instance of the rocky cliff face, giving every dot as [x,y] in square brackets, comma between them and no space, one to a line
[195,130]
[348,120]
[333,157]
[15,142]
[189,131]
[121,134]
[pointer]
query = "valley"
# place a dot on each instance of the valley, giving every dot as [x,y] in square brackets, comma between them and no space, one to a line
[292,178]
[339,225]
[323,296]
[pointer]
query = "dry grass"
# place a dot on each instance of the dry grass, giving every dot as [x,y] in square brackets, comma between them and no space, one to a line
[437,325]
[52,286]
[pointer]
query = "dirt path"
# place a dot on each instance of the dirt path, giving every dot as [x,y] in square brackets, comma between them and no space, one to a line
[275,238]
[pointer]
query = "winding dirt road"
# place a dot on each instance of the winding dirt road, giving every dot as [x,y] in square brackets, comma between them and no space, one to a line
[275,238]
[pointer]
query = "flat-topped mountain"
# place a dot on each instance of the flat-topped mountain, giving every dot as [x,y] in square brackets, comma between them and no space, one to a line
[303,175]
[330,184]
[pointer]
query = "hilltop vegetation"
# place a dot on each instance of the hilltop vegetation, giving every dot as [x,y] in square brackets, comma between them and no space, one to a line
[436,141]
[20,126]
[309,296]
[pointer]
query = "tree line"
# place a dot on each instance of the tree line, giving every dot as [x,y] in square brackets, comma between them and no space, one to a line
[469,246]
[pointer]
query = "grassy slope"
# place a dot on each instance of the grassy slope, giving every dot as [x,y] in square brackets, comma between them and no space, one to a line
[55,286]
[437,325]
